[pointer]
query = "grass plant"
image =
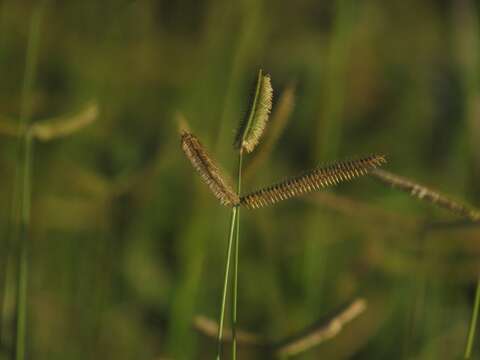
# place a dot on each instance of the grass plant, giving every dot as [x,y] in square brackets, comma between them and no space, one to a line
[248,137]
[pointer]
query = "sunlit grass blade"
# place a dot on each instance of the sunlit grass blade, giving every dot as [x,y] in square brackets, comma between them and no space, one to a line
[252,128]
[426,194]
[207,169]
[312,181]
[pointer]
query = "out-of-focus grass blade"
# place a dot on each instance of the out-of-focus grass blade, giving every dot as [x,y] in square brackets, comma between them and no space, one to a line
[65,125]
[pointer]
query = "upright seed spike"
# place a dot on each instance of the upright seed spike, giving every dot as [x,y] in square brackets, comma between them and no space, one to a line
[251,129]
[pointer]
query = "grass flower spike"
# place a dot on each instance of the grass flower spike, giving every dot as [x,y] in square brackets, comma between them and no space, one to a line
[311,181]
[207,169]
[251,130]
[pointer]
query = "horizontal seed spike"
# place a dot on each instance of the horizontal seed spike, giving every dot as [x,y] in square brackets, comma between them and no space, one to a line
[208,171]
[313,180]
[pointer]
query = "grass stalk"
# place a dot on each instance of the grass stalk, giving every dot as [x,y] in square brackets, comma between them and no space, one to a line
[235,261]
[25,162]
[473,323]
[22,270]
[225,282]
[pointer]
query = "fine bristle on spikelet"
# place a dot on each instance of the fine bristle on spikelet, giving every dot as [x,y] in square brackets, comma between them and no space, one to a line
[426,194]
[251,130]
[311,181]
[207,169]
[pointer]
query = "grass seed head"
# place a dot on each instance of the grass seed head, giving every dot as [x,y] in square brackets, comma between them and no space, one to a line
[253,127]
[207,169]
[311,181]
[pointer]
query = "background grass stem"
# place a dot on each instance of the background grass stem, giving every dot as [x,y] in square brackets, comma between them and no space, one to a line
[25,154]
[22,270]
[473,322]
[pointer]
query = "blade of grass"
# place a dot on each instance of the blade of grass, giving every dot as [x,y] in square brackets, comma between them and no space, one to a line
[473,322]
[26,146]
[23,253]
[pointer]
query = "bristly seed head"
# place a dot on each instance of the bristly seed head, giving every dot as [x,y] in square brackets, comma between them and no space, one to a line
[312,181]
[207,169]
[252,128]
[426,194]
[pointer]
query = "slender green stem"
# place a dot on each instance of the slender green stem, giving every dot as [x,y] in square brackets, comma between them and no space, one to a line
[473,322]
[25,158]
[235,263]
[225,282]
[23,253]
[5,243]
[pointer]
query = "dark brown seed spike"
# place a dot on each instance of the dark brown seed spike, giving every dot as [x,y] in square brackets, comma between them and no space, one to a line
[208,170]
[310,181]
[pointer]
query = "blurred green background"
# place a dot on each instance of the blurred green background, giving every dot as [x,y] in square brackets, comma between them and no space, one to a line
[127,244]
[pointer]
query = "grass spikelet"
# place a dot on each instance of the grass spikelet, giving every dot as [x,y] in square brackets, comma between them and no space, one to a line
[426,194]
[251,130]
[208,171]
[278,122]
[311,181]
